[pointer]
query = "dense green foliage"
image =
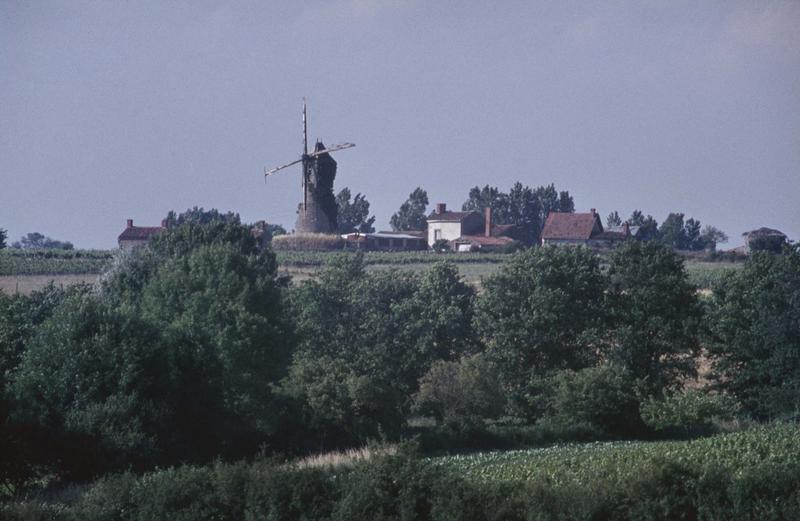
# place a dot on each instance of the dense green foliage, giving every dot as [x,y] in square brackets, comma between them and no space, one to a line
[3,237]
[37,241]
[749,475]
[194,349]
[462,393]
[171,360]
[353,216]
[754,322]
[411,215]
[691,410]
[602,400]
[378,333]
[542,311]
[523,206]
[654,314]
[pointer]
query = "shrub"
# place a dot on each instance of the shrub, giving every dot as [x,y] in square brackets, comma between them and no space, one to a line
[462,393]
[307,241]
[602,398]
[687,411]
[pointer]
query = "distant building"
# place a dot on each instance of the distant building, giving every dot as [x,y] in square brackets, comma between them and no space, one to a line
[386,241]
[135,236]
[469,231]
[763,239]
[449,226]
[584,228]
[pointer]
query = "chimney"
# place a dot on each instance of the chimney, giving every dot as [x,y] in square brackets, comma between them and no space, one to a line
[626,228]
[130,223]
[487,218]
[594,212]
[441,208]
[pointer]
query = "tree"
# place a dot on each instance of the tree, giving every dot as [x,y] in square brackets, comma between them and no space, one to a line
[199,215]
[37,240]
[648,227]
[754,336]
[381,331]
[488,197]
[613,219]
[461,393]
[3,237]
[692,234]
[411,215]
[672,231]
[354,216]
[172,361]
[654,314]
[541,312]
[712,236]
[524,211]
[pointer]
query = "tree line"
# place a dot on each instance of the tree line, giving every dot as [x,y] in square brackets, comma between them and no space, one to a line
[196,348]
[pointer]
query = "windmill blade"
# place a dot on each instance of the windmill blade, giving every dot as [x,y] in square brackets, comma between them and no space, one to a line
[270,172]
[333,148]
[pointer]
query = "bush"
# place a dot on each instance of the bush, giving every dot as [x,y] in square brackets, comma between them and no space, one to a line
[307,242]
[461,394]
[687,411]
[602,399]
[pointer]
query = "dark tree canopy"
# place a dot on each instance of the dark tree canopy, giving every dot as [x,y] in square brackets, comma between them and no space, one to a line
[354,216]
[648,227]
[379,332]
[172,360]
[654,314]
[613,219]
[37,240]
[3,237]
[198,215]
[755,334]
[542,311]
[411,215]
[522,205]
[488,197]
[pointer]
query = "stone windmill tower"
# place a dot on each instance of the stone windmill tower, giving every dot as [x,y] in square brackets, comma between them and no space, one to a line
[316,213]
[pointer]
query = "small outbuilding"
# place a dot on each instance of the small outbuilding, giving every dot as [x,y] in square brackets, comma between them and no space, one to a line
[136,236]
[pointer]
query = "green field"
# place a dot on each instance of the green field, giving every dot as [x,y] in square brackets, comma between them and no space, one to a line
[53,261]
[301,265]
[617,462]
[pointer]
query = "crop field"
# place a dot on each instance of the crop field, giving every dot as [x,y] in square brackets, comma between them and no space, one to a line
[618,462]
[53,262]
[21,264]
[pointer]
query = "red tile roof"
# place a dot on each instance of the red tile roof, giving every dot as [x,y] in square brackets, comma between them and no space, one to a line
[139,233]
[450,216]
[562,225]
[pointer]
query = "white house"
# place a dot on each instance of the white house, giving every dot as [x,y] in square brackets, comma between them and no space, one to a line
[452,225]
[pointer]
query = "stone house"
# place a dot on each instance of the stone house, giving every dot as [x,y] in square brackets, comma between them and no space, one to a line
[583,228]
[136,236]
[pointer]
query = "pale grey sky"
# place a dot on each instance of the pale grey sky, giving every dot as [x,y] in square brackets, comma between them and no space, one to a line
[116,110]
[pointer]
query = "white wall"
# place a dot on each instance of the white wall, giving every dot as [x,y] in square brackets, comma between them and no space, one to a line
[449,230]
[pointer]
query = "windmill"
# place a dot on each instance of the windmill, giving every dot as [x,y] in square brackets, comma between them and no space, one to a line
[317,212]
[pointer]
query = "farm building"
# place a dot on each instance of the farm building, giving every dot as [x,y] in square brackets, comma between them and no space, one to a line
[135,236]
[449,226]
[763,239]
[469,231]
[386,241]
[583,228]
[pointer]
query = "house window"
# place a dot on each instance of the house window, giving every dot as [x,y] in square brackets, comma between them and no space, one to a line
[437,235]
